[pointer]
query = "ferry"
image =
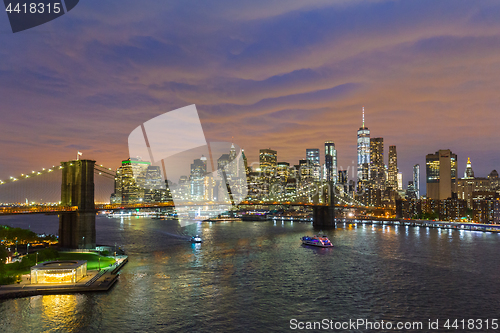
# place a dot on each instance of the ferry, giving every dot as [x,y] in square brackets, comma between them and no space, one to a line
[321,241]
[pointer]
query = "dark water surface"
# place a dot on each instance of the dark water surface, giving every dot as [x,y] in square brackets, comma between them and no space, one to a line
[256,277]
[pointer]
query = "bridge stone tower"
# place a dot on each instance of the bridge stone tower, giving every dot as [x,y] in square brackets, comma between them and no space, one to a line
[77,229]
[324,216]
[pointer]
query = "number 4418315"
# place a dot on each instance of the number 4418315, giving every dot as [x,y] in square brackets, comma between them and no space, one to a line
[471,324]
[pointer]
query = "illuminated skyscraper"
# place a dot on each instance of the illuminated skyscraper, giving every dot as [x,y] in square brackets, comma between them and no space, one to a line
[377,167]
[416,180]
[331,161]
[154,185]
[312,155]
[441,173]
[469,173]
[245,161]
[305,170]
[133,179]
[283,171]
[363,151]
[393,168]
[198,171]
[268,161]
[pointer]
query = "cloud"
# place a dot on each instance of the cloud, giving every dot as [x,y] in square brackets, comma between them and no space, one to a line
[287,75]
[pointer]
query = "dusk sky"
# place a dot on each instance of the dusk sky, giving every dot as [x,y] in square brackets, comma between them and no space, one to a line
[286,75]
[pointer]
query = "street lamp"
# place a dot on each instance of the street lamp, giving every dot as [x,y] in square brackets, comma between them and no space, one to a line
[28,250]
[99,263]
[36,258]
[83,241]
[16,247]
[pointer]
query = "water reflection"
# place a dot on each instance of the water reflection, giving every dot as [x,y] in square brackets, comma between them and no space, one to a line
[254,276]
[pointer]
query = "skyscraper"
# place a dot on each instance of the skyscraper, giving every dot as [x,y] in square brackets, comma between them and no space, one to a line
[331,161]
[363,151]
[441,173]
[377,167]
[416,180]
[305,170]
[283,171]
[268,159]
[469,173]
[312,155]
[393,168]
[153,185]
[400,181]
[133,178]
[198,171]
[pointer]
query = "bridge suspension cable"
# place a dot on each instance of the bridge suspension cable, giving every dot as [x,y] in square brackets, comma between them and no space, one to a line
[98,169]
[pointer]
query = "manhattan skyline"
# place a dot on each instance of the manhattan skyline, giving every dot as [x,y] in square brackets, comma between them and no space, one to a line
[426,74]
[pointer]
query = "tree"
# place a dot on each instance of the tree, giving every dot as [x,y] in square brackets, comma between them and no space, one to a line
[3,259]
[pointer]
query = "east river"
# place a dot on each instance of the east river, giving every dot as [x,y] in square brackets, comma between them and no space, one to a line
[257,277]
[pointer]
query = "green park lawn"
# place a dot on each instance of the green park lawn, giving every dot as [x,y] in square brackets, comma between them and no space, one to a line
[92,259]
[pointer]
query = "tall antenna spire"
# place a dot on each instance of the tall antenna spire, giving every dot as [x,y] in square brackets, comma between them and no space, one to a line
[363,117]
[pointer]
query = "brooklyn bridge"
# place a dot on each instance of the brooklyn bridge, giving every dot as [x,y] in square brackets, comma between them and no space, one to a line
[77,207]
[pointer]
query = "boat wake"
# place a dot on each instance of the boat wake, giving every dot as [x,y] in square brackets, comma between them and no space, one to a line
[183,237]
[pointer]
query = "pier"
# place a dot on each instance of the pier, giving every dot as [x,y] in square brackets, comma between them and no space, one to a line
[96,281]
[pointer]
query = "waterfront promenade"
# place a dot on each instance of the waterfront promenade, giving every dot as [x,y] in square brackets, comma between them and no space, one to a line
[95,280]
[422,223]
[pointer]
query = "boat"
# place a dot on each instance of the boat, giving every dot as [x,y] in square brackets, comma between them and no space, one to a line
[321,241]
[196,239]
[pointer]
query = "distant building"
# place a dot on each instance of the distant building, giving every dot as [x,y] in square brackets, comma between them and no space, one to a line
[469,173]
[416,180]
[283,171]
[342,177]
[330,161]
[305,170]
[401,191]
[197,178]
[245,161]
[392,172]
[268,159]
[484,208]
[131,178]
[377,166]
[312,155]
[441,173]
[399,177]
[494,180]
[363,147]
[410,191]
[154,186]
[472,188]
